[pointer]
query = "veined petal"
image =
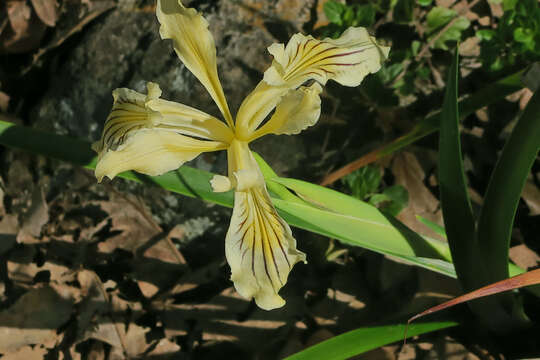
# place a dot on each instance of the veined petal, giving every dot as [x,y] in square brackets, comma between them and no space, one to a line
[259,245]
[346,60]
[152,152]
[194,45]
[298,110]
[259,248]
[189,121]
[152,136]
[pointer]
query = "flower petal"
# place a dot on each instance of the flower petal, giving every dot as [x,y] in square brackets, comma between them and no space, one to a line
[259,248]
[346,60]
[259,245]
[194,45]
[152,136]
[298,110]
[152,152]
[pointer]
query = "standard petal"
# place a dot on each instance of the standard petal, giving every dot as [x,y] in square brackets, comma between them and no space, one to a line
[152,136]
[259,248]
[346,60]
[259,245]
[298,110]
[194,45]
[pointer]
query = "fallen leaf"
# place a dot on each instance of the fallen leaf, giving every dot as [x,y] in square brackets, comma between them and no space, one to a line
[523,257]
[4,101]
[133,226]
[34,218]
[26,29]
[409,173]
[9,227]
[27,353]
[33,319]
[47,10]
[104,316]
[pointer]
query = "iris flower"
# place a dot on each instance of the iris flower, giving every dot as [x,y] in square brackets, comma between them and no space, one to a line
[151,135]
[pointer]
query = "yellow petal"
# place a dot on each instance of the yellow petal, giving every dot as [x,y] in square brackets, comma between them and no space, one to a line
[194,45]
[259,245]
[152,136]
[298,110]
[346,60]
[259,248]
[152,152]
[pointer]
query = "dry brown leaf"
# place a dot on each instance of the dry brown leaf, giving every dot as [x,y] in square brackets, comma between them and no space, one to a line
[524,257]
[34,219]
[409,174]
[27,353]
[47,10]
[9,226]
[34,318]
[4,101]
[102,315]
[26,29]
[135,228]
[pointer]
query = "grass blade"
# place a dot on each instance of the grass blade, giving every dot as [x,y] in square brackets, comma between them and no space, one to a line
[362,340]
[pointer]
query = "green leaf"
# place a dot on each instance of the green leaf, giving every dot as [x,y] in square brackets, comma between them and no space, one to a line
[403,12]
[364,181]
[333,11]
[504,190]
[501,313]
[433,226]
[354,222]
[399,198]
[509,4]
[453,33]
[485,34]
[365,15]
[459,221]
[424,2]
[361,340]
[438,17]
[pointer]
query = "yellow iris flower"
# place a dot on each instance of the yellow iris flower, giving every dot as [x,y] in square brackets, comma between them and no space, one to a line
[152,135]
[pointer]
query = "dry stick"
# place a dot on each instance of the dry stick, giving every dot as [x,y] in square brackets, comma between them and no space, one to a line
[374,155]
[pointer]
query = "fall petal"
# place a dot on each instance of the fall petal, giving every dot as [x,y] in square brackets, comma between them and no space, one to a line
[152,136]
[259,248]
[346,60]
[152,152]
[194,45]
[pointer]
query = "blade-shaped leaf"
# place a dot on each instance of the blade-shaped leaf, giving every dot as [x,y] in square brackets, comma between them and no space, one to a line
[504,190]
[361,340]
[455,203]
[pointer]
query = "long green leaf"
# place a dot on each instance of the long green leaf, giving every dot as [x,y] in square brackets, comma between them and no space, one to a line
[455,203]
[195,183]
[501,313]
[504,190]
[362,340]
